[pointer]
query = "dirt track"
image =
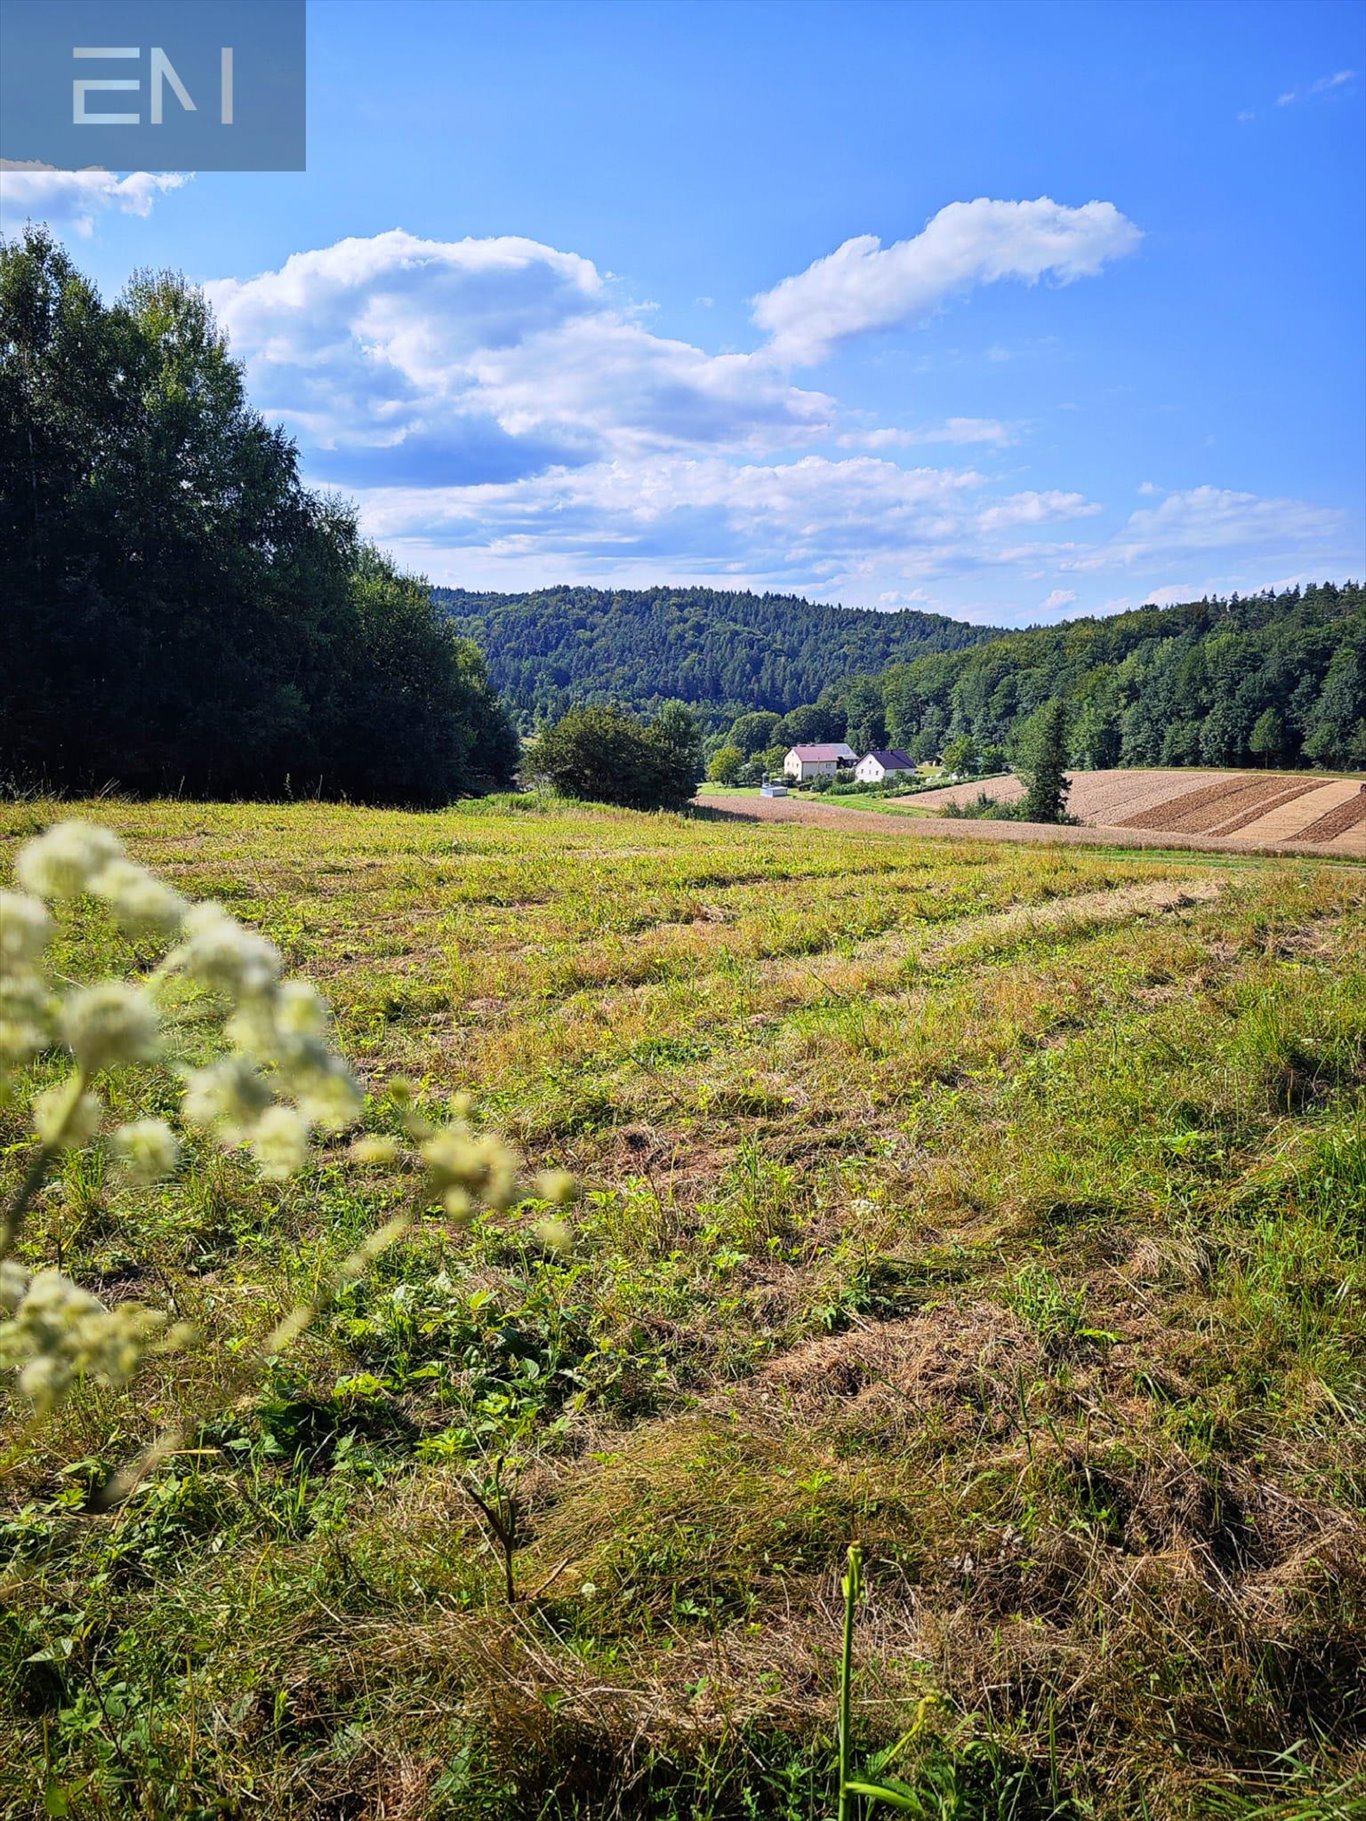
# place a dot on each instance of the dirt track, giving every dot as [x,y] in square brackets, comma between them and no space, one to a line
[815,811]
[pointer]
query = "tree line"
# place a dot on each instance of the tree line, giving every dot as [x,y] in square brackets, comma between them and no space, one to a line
[181,612]
[1276,679]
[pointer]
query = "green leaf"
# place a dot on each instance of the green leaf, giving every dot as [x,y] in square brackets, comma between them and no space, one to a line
[894,1798]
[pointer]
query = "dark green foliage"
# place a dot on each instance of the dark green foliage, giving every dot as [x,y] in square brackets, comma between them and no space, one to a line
[725,653]
[753,732]
[1267,739]
[601,754]
[182,614]
[1045,767]
[1185,685]
[808,725]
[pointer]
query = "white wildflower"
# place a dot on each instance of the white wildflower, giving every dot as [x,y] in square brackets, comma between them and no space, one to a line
[287,1028]
[14,1282]
[221,953]
[280,1142]
[58,1332]
[61,862]
[328,1095]
[227,1098]
[147,1149]
[142,904]
[375,1150]
[478,1164]
[554,1235]
[61,1120]
[460,1206]
[300,1010]
[109,1024]
[556,1186]
[25,929]
[26,1008]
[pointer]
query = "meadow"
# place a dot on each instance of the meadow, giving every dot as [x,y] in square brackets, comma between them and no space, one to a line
[1001,1208]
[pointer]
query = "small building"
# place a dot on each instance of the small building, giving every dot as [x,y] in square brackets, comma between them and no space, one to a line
[877,767]
[772,788]
[818,761]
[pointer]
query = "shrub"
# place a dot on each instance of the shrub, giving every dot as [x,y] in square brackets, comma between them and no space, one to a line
[602,754]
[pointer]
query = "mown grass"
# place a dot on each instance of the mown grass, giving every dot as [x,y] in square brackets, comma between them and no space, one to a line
[1000,1207]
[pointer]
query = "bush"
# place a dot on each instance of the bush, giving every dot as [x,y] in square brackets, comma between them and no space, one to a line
[601,754]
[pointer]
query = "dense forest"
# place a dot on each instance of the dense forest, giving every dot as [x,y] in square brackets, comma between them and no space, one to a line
[181,613]
[722,653]
[1268,679]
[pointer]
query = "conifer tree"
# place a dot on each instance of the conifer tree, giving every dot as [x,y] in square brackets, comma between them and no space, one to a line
[1046,798]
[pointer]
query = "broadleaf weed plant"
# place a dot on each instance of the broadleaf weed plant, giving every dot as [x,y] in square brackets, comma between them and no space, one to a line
[280,1081]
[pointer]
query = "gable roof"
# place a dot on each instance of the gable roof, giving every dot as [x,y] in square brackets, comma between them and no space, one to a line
[894,760]
[832,749]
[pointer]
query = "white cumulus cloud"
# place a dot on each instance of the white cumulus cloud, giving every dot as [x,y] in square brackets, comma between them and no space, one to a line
[863,285]
[75,199]
[479,360]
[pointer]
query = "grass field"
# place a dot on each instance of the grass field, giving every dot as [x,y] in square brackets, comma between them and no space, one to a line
[1000,1207]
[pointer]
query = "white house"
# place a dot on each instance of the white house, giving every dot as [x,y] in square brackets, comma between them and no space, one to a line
[877,767]
[818,761]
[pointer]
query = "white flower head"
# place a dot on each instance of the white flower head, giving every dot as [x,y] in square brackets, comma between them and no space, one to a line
[14,1282]
[328,1094]
[60,1120]
[280,1142]
[61,862]
[227,1098]
[109,1024]
[25,929]
[221,953]
[147,1149]
[58,1332]
[142,904]
[476,1164]
[375,1150]
[26,1008]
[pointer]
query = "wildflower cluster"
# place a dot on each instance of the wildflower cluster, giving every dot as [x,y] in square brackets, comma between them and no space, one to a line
[56,1332]
[282,1078]
[280,1081]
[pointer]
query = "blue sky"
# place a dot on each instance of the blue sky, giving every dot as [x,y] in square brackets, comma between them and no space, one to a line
[1013,312]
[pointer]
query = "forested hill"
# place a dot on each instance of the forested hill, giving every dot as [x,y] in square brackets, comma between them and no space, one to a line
[1266,679]
[723,652]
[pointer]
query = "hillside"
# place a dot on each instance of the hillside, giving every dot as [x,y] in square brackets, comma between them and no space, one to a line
[999,1207]
[724,652]
[1269,679]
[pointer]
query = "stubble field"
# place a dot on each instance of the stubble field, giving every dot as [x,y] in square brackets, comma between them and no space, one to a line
[999,1207]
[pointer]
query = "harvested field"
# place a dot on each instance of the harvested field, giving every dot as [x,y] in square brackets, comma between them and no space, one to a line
[1202,810]
[1238,809]
[1348,815]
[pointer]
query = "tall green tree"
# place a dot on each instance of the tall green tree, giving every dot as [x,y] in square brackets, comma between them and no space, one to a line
[182,613]
[1045,799]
